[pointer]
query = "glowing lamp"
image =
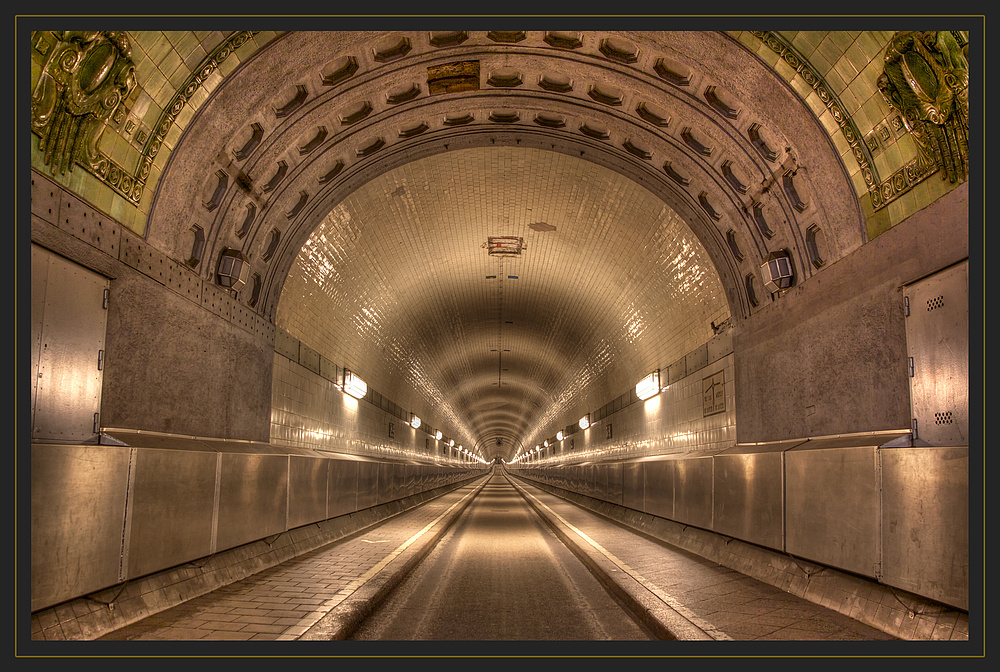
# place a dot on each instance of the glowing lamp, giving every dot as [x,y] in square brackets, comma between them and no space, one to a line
[585,421]
[354,386]
[414,421]
[648,386]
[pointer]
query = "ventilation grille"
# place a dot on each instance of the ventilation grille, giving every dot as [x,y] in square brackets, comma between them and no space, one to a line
[936,302]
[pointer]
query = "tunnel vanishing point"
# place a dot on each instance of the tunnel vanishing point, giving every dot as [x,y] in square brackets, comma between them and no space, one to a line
[281,281]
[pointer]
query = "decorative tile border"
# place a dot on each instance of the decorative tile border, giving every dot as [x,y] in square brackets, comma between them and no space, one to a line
[131,186]
[882,192]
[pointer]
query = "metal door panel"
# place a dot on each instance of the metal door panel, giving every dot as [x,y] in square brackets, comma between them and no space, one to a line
[937,338]
[70,320]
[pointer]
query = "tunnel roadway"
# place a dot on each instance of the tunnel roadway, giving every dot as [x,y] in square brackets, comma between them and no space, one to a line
[328,593]
[500,573]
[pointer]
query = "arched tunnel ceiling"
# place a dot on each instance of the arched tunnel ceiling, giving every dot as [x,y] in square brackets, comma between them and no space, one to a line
[399,282]
[362,173]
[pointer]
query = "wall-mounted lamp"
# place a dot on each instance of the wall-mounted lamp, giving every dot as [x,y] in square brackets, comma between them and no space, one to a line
[585,421]
[234,269]
[648,386]
[777,271]
[414,421]
[354,386]
[559,436]
[451,443]
[438,435]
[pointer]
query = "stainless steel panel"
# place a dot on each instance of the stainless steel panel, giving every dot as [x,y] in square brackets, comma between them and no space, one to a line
[925,522]
[748,497]
[307,490]
[171,510]
[831,507]
[387,483]
[78,498]
[614,484]
[693,483]
[658,488]
[252,498]
[632,485]
[367,484]
[344,487]
[70,320]
[937,338]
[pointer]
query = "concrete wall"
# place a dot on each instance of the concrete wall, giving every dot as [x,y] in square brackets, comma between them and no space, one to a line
[829,356]
[182,356]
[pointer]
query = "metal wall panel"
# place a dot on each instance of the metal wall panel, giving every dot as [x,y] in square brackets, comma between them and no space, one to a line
[252,498]
[307,490]
[344,487]
[614,484]
[78,496]
[285,344]
[836,524]
[171,510]
[658,488]
[632,485]
[693,482]
[367,484]
[937,340]
[68,330]
[925,522]
[748,497]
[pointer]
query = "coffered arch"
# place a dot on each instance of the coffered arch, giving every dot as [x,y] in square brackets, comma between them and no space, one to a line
[694,120]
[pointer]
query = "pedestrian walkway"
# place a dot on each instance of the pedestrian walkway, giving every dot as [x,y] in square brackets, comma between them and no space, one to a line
[694,598]
[321,594]
[316,594]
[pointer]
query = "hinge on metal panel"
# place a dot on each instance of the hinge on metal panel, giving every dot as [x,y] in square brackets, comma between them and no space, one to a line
[913,426]
[104,303]
[906,306]
[97,423]
[909,364]
[100,360]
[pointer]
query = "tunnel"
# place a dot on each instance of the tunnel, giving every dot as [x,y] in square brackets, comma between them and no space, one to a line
[286,284]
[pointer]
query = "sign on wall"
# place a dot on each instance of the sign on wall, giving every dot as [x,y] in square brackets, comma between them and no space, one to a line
[714,393]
